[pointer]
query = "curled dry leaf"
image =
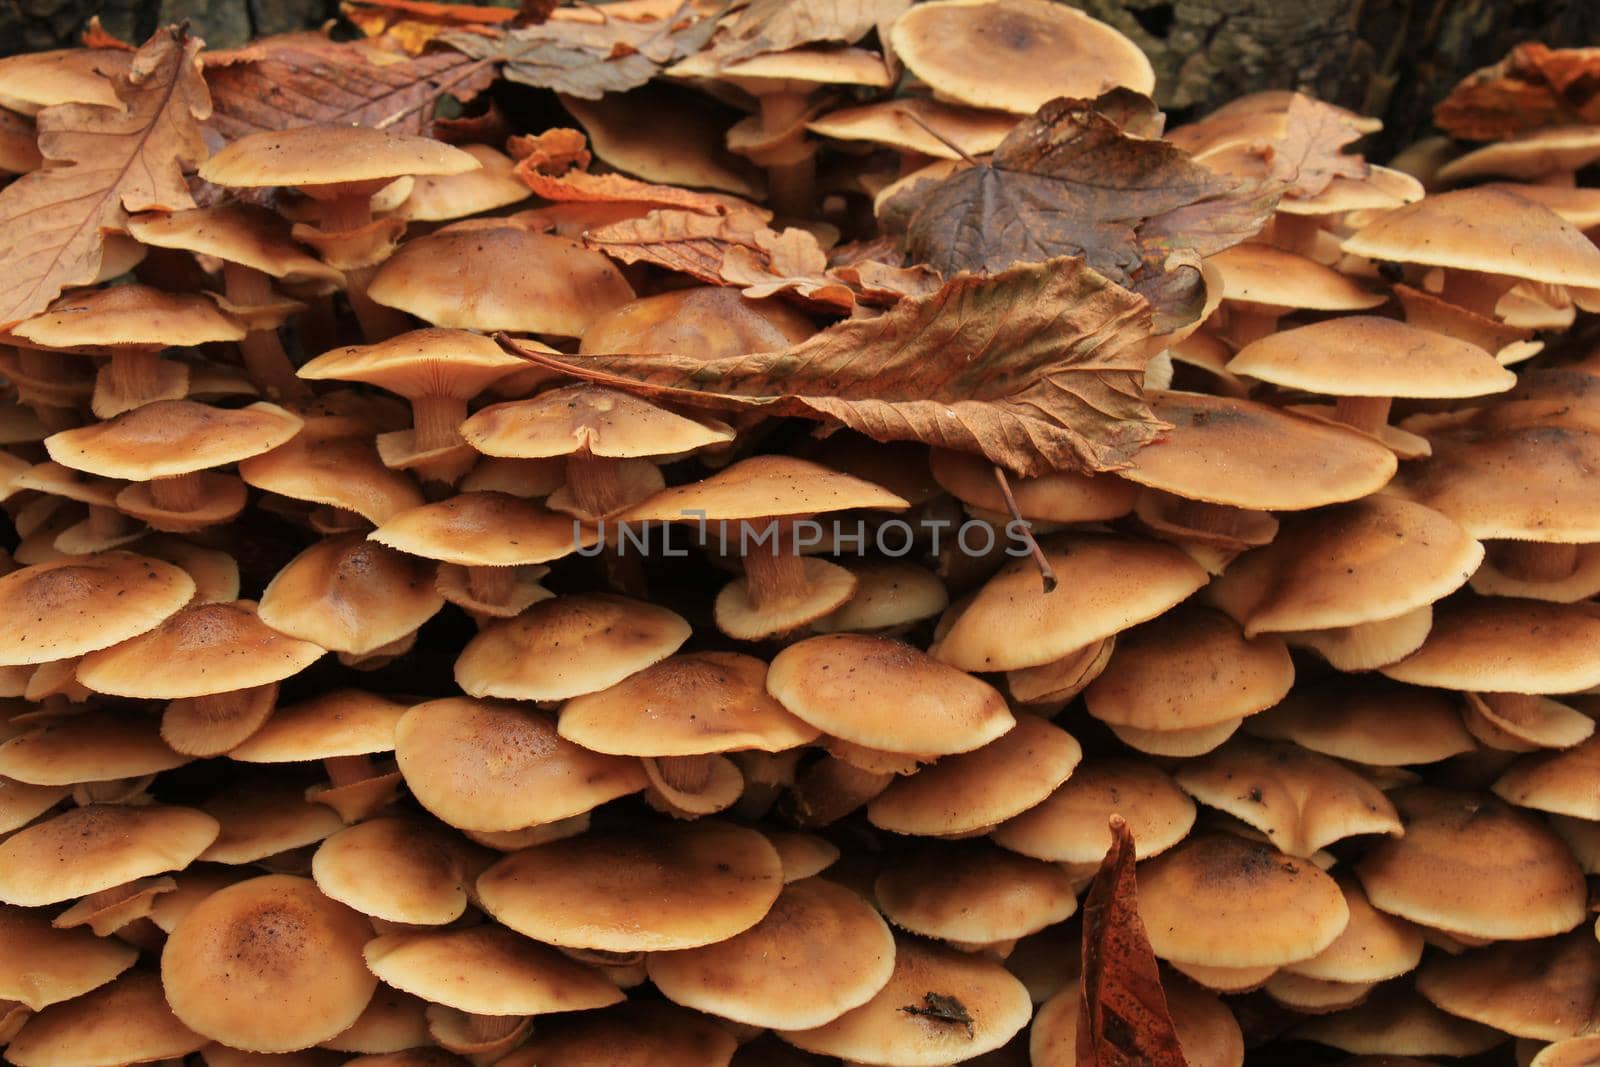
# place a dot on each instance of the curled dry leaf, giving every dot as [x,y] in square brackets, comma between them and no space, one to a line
[413,24]
[779,25]
[97,36]
[616,189]
[1309,154]
[1037,368]
[102,163]
[1533,87]
[1123,1020]
[555,151]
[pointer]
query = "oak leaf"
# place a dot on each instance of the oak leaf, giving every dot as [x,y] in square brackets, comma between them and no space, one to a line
[1123,1020]
[1309,154]
[101,164]
[1037,368]
[1533,87]
[779,25]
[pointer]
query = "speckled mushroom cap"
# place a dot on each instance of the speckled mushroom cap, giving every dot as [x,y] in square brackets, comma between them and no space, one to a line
[337,471]
[1560,782]
[238,233]
[890,595]
[1505,645]
[884,694]
[428,362]
[575,418]
[1277,278]
[1374,947]
[602,639]
[1368,719]
[485,529]
[1223,450]
[541,283]
[1302,801]
[1535,989]
[1399,1023]
[136,316]
[1062,496]
[1106,584]
[349,594]
[93,746]
[125,1021]
[819,952]
[274,940]
[437,197]
[342,722]
[399,870]
[1470,864]
[487,970]
[1486,230]
[263,815]
[41,965]
[764,487]
[88,849]
[972,893]
[969,792]
[1207,1032]
[882,1031]
[1015,55]
[652,888]
[1196,898]
[638,1033]
[686,705]
[78,604]
[1070,826]
[330,155]
[704,322]
[201,650]
[479,765]
[172,437]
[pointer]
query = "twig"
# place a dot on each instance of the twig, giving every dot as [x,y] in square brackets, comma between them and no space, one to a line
[1046,573]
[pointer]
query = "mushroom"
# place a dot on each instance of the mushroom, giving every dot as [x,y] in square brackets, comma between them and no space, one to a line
[104,529]
[268,819]
[1261,284]
[336,465]
[662,133]
[88,849]
[391,1022]
[891,597]
[399,870]
[1549,154]
[973,896]
[638,1033]
[1558,782]
[442,197]
[1399,1023]
[1534,989]
[96,745]
[1367,719]
[124,1021]
[45,965]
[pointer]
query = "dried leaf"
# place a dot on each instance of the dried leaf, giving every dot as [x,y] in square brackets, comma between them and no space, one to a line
[101,163]
[883,285]
[779,25]
[1123,1020]
[788,262]
[683,241]
[489,126]
[943,1008]
[555,151]
[97,36]
[413,24]
[1037,368]
[616,189]
[1531,88]
[1308,155]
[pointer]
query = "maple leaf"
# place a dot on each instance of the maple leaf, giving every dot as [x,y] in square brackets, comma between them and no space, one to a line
[1037,368]
[1123,1020]
[1307,156]
[101,164]
[779,25]
[1533,87]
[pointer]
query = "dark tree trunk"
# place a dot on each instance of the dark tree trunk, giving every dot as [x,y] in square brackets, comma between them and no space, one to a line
[35,25]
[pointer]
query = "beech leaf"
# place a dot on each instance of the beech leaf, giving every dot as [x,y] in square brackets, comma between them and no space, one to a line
[779,25]
[1123,1020]
[1037,368]
[1308,155]
[1533,87]
[101,164]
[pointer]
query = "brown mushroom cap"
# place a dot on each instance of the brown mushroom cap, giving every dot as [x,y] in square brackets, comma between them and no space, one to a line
[763,487]
[485,529]
[428,362]
[1374,946]
[1470,864]
[578,418]
[172,437]
[37,80]
[1071,825]
[125,1021]
[902,123]
[236,233]
[1015,55]
[93,746]
[1197,897]
[263,816]
[651,889]
[1368,719]
[973,893]
[344,722]
[330,155]
[41,965]
[88,849]
[638,1033]
[348,594]
[1534,989]
[1062,496]
[1503,645]
[275,941]
[342,472]
[705,322]
[78,604]
[886,695]
[1580,207]
[399,870]
[1531,154]
[1559,782]
[1572,1052]
[568,646]
[479,765]
[130,315]
[1363,355]
[488,970]
[391,1022]
[1276,278]
[890,595]
[1399,1023]
[436,197]
[542,283]
[882,1031]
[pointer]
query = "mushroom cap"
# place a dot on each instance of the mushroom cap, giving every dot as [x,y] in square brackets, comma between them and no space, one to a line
[1222,450]
[1302,801]
[488,970]
[338,472]
[1198,897]
[199,651]
[437,197]
[653,888]
[889,594]
[129,315]
[1106,584]
[971,892]
[1399,1023]
[662,133]
[125,1021]
[77,604]
[884,694]
[702,322]
[1579,206]
[399,870]
[485,529]
[763,487]
[478,765]
[1207,1032]
[882,1031]
[343,722]
[33,81]
[172,437]
[239,233]
[391,1022]
[263,815]
[1505,645]
[1016,55]
[1368,719]
[1364,355]
[268,965]
[1535,989]
[687,705]
[820,951]
[349,594]
[1571,1052]
[1273,277]
[85,850]
[1061,496]
[588,419]
[41,965]
[1482,229]
[1190,667]
[1531,154]
[541,283]
[902,123]
[638,1033]
[1561,782]
[1374,946]
[975,790]
[330,155]
[92,746]
[1473,865]
[567,646]
[1071,825]
[426,362]
[1354,563]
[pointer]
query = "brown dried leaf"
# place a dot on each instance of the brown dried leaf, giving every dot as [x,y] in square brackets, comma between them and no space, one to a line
[489,126]
[413,24]
[1038,368]
[97,36]
[942,1008]
[101,163]
[555,151]
[779,25]
[1123,1020]
[1531,88]
[615,189]
[1308,155]
[791,262]
[883,285]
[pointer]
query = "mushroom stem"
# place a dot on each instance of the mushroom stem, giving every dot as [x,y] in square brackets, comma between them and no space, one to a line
[1474,291]
[135,374]
[687,774]
[264,358]
[1296,233]
[436,420]
[1369,414]
[596,483]
[185,492]
[1250,322]
[792,185]
[346,211]
[491,585]
[107,522]
[830,789]
[1217,519]
[485,1029]
[378,323]
[775,571]
[1533,561]
[348,770]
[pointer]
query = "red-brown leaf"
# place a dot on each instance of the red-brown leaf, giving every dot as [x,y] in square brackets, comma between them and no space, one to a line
[779,25]
[1309,154]
[97,36]
[555,151]
[413,24]
[1532,87]
[615,189]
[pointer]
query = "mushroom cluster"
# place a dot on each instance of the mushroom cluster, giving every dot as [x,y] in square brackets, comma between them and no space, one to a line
[373,695]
